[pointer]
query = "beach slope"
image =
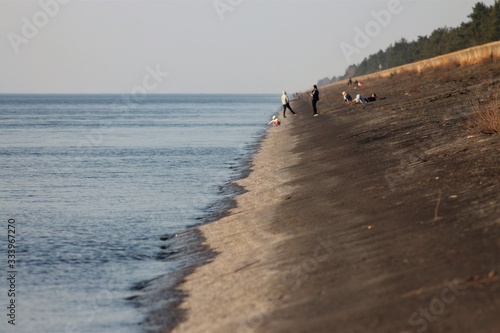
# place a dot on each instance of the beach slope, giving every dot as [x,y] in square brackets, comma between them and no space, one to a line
[382,217]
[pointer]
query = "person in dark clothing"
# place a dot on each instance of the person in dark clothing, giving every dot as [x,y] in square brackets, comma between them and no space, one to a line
[347,97]
[315,98]
[372,98]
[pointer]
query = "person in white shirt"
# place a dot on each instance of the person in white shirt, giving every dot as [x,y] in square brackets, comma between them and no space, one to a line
[347,97]
[286,104]
[360,99]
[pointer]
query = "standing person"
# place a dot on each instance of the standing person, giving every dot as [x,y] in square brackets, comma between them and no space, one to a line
[315,98]
[286,104]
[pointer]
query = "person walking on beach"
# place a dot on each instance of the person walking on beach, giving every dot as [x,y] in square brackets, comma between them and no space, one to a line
[315,98]
[286,104]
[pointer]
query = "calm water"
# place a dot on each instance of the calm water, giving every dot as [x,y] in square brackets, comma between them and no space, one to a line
[96,183]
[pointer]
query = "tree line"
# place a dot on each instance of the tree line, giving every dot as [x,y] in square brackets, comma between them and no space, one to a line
[483,27]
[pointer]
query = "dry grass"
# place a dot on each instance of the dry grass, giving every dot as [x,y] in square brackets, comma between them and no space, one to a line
[486,114]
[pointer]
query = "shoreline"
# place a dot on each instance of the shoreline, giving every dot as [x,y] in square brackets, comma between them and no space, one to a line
[241,232]
[356,220]
[190,251]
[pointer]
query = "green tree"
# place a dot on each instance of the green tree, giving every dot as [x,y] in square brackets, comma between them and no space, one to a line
[456,40]
[479,25]
[399,53]
[494,28]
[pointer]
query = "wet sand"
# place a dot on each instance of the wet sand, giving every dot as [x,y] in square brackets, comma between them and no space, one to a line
[382,217]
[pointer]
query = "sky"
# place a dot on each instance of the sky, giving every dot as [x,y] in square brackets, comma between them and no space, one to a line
[202,46]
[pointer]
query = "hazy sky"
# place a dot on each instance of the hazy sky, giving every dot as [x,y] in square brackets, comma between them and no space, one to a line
[201,46]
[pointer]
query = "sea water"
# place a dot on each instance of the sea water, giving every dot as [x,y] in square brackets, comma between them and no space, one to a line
[93,183]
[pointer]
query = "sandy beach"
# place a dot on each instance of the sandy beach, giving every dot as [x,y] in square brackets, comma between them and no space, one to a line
[383,217]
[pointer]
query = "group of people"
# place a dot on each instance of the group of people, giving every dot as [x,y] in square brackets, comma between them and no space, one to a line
[356,83]
[359,98]
[314,100]
[286,105]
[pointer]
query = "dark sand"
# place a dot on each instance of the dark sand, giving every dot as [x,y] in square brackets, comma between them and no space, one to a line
[382,217]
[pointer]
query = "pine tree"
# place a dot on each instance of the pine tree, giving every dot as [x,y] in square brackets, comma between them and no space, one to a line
[494,30]
[478,29]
